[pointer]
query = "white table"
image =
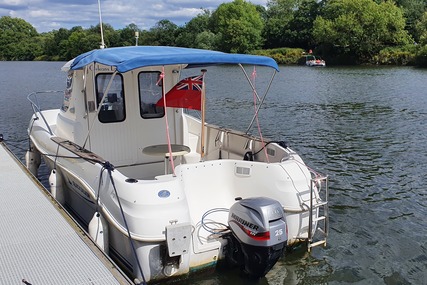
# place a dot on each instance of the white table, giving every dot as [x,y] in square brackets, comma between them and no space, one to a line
[178,150]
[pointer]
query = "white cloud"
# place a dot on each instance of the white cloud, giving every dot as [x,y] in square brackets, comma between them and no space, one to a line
[46,15]
[40,13]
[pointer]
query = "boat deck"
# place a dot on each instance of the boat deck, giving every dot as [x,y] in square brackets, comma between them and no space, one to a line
[39,242]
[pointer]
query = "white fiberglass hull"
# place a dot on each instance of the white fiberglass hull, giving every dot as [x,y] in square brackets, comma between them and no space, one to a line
[149,207]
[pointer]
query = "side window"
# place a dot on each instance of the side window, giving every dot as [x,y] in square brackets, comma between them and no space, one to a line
[68,92]
[113,106]
[150,91]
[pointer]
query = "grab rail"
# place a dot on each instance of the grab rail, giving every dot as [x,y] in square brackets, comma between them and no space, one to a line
[32,97]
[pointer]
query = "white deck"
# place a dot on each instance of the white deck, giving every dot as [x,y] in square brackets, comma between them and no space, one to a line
[39,243]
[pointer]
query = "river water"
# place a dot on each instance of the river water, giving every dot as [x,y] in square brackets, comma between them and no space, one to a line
[363,126]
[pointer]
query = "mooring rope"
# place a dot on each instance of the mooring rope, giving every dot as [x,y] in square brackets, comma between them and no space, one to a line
[109,167]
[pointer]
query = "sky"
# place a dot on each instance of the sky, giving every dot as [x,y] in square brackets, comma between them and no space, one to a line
[48,15]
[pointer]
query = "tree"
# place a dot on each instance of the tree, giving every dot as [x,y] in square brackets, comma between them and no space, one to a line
[421,29]
[111,37]
[189,34]
[79,41]
[238,26]
[206,40]
[163,33]
[127,35]
[360,28]
[289,23]
[413,11]
[302,24]
[17,39]
[54,41]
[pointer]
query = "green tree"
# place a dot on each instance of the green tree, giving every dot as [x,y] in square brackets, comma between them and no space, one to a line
[360,28]
[413,11]
[111,37]
[190,34]
[18,39]
[289,23]
[302,24]
[162,34]
[421,29]
[127,35]
[206,40]
[79,41]
[54,43]
[238,26]
[279,16]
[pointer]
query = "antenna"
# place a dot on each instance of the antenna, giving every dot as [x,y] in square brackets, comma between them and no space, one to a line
[100,25]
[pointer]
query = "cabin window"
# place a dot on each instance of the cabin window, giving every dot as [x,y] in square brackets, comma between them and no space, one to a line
[67,92]
[150,92]
[113,105]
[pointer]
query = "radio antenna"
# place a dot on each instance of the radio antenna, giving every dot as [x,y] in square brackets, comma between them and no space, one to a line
[100,25]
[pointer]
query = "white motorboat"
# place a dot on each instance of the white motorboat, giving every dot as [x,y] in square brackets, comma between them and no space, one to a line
[311,60]
[163,192]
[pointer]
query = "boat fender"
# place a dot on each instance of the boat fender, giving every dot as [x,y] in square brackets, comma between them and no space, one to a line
[33,160]
[56,189]
[98,231]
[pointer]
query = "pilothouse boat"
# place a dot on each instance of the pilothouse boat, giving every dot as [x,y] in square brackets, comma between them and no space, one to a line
[163,192]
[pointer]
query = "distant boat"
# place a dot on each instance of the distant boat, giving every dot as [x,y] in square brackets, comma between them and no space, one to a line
[311,60]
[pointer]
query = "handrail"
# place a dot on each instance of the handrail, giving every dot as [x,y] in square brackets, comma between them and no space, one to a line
[32,97]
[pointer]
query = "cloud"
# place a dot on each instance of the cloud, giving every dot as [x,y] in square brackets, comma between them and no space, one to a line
[48,15]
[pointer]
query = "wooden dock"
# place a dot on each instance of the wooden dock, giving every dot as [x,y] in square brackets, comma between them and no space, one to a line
[39,242]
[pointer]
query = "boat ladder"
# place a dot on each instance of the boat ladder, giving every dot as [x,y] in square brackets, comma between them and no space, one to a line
[319,204]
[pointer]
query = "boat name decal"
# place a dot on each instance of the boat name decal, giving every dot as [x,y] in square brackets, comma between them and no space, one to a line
[102,68]
[244,222]
[76,186]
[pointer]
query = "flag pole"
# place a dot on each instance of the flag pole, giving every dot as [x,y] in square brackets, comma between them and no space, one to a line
[203,105]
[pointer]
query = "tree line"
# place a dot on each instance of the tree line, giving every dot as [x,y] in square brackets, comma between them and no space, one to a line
[341,31]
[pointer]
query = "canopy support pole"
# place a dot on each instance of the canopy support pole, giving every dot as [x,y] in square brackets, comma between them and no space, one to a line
[203,106]
[261,100]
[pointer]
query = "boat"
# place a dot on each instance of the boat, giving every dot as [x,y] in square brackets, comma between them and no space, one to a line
[159,189]
[312,60]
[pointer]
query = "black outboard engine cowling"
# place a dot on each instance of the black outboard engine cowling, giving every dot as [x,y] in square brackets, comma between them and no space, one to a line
[259,234]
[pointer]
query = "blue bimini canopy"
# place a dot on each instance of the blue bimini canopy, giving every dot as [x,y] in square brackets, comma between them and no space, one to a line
[128,58]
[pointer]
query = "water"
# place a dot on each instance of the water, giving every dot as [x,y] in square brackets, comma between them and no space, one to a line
[363,126]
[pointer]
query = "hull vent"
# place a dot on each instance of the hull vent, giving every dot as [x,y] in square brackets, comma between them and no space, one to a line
[243,171]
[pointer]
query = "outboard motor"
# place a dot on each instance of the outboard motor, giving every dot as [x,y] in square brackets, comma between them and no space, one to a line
[259,235]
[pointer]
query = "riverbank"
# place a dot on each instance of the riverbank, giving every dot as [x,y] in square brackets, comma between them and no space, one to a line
[410,55]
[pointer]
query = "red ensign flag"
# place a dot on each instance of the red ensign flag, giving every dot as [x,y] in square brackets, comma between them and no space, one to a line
[185,94]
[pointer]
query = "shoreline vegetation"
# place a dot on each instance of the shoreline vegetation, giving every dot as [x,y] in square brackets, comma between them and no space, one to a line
[400,56]
[342,32]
